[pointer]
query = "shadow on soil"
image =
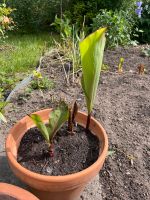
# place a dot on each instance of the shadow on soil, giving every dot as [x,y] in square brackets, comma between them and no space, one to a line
[6,174]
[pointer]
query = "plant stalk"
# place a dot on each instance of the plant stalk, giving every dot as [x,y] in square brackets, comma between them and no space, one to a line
[51,150]
[70,125]
[74,112]
[88,122]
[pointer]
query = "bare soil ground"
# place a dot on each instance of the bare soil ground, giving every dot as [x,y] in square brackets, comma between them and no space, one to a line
[123,108]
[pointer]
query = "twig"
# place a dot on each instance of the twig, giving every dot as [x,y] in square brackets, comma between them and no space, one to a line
[44,165]
[66,76]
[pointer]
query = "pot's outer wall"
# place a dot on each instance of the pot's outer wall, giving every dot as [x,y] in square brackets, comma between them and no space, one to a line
[66,187]
[15,192]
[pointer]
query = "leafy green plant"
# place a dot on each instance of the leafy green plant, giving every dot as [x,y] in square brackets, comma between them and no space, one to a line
[119,25]
[144,23]
[90,9]
[33,15]
[70,38]
[6,84]
[40,82]
[6,22]
[120,66]
[91,50]
[57,117]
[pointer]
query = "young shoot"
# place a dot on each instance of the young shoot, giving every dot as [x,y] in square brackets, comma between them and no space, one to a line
[120,66]
[57,118]
[91,51]
[73,109]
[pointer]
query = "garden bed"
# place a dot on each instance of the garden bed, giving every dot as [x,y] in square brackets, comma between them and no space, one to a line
[122,106]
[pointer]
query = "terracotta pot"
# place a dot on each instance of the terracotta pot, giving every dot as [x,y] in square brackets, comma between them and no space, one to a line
[11,192]
[68,187]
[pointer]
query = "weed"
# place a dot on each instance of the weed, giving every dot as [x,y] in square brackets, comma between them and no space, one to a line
[69,46]
[40,82]
[105,67]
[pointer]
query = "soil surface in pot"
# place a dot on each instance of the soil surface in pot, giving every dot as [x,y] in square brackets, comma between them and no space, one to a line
[6,197]
[72,152]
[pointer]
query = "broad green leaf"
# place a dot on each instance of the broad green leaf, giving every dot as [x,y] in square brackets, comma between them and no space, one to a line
[40,125]
[92,50]
[2,117]
[57,118]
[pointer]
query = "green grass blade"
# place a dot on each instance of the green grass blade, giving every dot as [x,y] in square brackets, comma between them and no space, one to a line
[2,117]
[91,50]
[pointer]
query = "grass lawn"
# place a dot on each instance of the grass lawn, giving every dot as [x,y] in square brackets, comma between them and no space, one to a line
[19,55]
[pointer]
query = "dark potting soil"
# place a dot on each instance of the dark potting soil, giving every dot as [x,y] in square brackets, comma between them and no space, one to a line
[72,153]
[6,197]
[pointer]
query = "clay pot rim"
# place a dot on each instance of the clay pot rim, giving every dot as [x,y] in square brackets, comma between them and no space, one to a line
[64,178]
[16,192]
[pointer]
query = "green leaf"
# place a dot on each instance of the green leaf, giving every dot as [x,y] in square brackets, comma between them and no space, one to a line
[57,118]
[2,117]
[40,125]
[91,50]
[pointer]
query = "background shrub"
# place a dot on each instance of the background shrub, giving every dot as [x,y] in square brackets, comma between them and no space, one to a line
[36,15]
[144,23]
[119,23]
[6,22]
[90,9]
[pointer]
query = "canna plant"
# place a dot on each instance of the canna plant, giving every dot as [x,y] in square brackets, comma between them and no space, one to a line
[57,117]
[91,50]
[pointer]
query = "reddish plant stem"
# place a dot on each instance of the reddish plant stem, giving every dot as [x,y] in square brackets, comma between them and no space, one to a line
[51,150]
[88,122]
[74,112]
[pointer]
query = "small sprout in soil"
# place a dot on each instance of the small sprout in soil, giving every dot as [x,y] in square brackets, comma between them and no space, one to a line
[131,158]
[40,82]
[57,118]
[91,50]
[72,113]
[110,153]
[105,67]
[141,69]
[120,66]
